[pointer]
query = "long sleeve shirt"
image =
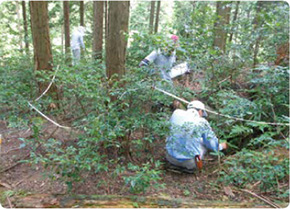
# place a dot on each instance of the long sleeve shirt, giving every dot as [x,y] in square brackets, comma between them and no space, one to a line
[77,40]
[164,63]
[190,135]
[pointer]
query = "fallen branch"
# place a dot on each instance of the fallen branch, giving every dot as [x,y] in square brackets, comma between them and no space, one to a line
[48,85]
[19,182]
[47,118]
[18,148]
[5,185]
[224,80]
[14,165]
[9,202]
[261,198]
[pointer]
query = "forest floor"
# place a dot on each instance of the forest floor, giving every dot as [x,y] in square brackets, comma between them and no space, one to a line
[26,186]
[29,186]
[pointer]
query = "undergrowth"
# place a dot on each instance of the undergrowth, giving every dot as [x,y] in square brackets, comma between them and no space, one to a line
[124,135]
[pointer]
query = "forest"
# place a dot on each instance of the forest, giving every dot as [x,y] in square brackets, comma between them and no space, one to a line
[85,106]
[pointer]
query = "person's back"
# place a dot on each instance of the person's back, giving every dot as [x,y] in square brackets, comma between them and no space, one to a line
[76,40]
[76,43]
[185,139]
[190,137]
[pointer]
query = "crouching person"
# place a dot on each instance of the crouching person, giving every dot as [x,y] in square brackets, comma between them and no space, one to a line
[190,138]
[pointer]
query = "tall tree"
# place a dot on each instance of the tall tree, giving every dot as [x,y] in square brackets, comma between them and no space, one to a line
[157,16]
[257,25]
[82,23]
[223,10]
[116,43]
[66,29]
[151,19]
[25,27]
[41,39]
[19,26]
[98,29]
[234,20]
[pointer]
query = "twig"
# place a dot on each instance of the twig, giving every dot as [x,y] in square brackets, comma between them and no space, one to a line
[224,80]
[9,202]
[80,103]
[14,165]
[261,198]
[19,182]
[18,148]
[47,118]
[5,185]
[48,87]
[51,133]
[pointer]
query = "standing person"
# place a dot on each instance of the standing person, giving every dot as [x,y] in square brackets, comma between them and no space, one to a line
[164,59]
[190,138]
[77,42]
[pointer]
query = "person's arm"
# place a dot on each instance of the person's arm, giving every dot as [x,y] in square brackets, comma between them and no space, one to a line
[149,59]
[144,62]
[81,40]
[210,140]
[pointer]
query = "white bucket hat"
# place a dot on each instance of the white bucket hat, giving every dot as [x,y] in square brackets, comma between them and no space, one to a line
[82,30]
[197,105]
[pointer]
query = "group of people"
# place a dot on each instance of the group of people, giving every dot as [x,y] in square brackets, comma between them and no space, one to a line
[191,135]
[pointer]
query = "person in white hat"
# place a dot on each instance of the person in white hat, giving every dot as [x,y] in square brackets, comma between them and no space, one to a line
[190,137]
[77,41]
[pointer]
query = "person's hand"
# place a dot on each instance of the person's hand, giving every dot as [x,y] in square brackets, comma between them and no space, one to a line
[224,145]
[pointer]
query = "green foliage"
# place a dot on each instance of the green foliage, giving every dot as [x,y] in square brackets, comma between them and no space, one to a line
[144,177]
[111,131]
[108,127]
[266,168]
[17,87]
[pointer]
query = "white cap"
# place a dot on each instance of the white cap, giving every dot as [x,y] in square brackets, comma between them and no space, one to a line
[82,30]
[197,105]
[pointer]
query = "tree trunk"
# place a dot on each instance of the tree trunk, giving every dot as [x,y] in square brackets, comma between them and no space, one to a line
[234,20]
[41,40]
[151,20]
[98,8]
[82,13]
[19,26]
[116,43]
[66,30]
[106,19]
[257,22]
[223,10]
[157,16]
[25,27]
[62,38]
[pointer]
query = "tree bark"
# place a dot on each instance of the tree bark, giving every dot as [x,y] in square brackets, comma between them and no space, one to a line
[118,21]
[41,41]
[98,8]
[82,23]
[223,10]
[66,30]
[151,20]
[106,19]
[25,27]
[19,26]
[234,20]
[257,22]
[62,38]
[157,16]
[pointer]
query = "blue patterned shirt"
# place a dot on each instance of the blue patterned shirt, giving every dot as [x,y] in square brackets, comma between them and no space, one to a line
[190,135]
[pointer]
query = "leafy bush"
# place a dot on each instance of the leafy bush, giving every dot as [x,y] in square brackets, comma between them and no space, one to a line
[144,177]
[267,168]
